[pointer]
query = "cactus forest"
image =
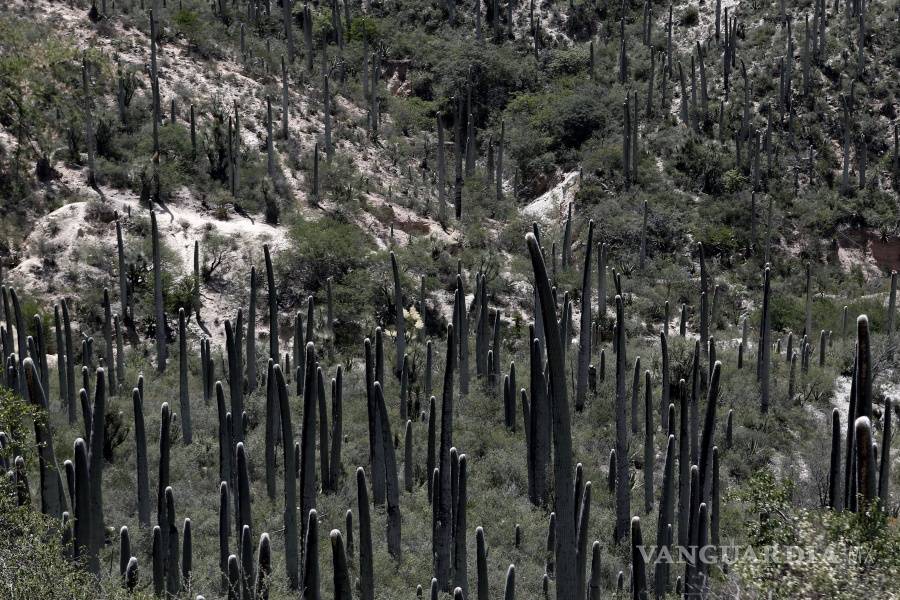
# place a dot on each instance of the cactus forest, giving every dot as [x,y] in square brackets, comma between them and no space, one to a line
[449,299]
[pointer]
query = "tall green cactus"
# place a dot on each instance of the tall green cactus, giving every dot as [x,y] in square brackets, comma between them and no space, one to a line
[666,517]
[709,429]
[224,531]
[98,435]
[884,474]
[581,543]
[140,443]
[308,439]
[408,466]
[638,563]
[245,553]
[160,315]
[584,338]
[763,364]
[623,493]
[131,575]
[310,587]
[443,501]
[234,578]
[399,320]
[187,555]
[165,433]
[481,568]
[173,577]
[562,436]
[183,391]
[863,368]
[242,490]
[52,499]
[337,428]
[649,449]
[82,508]
[366,567]
[392,485]
[324,466]
[159,572]
[865,462]
[460,570]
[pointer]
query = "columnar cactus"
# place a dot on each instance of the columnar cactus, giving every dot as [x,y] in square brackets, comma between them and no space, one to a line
[684,465]
[666,517]
[224,529]
[324,466]
[184,393]
[581,543]
[140,443]
[716,499]
[709,430]
[635,394]
[234,578]
[366,576]
[432,445]
[273,307]
[404,388]
[165,422]
[460,571]
[245,553]
[376,448]
[173,577]
[623,500]
[649,449]
[124,550]
[863,368]
[399,320]
[263,568]
[159,571]
[462,336]
[481,568]
[337,427]
[638,563]
[82,503]
[392,486]
[562,436]
[241,490]
[310,587]
[225,438]
[271,408]
[865,462]
[98,424]
[408,467]
[108,354]
[52,499]
[539,428]
[884,475]
[131,574]
[763,363]
[187,555]
[161,350]
[308,438]
[584,339]
[444,500]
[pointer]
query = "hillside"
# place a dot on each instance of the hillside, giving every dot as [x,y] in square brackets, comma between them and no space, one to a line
[518,298]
